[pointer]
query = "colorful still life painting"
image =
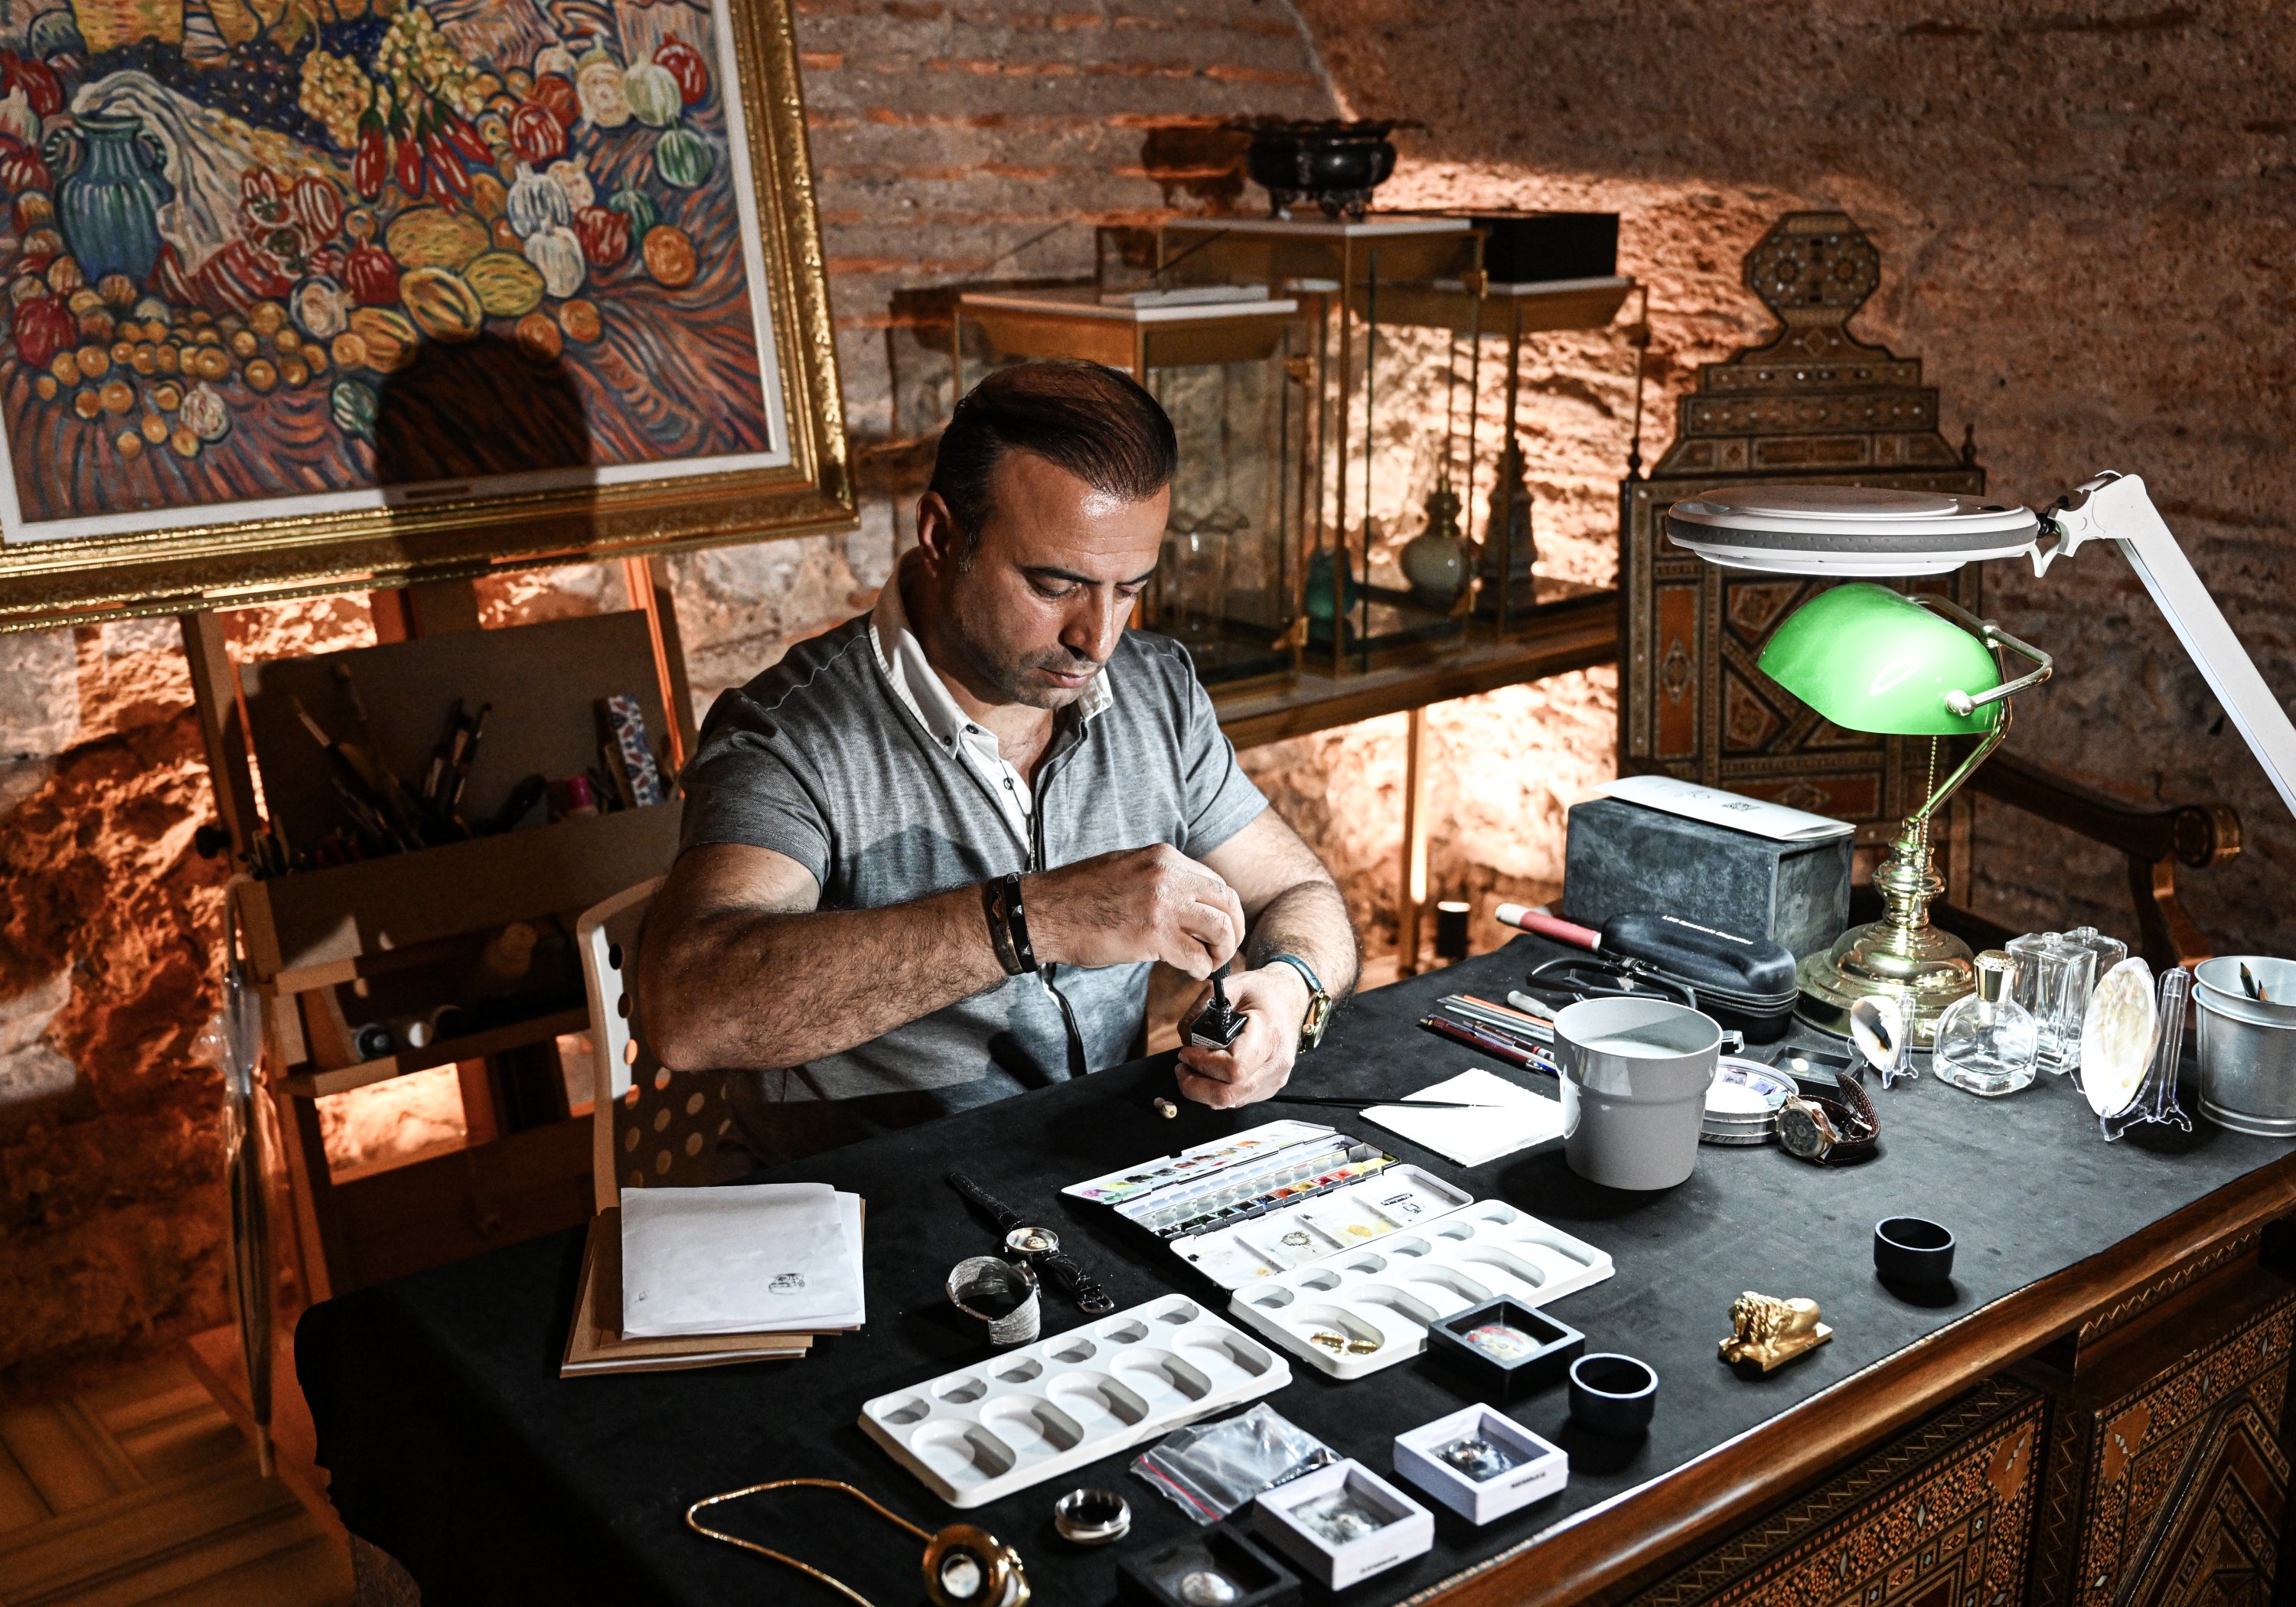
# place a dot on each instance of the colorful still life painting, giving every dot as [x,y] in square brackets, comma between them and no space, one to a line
[266,257]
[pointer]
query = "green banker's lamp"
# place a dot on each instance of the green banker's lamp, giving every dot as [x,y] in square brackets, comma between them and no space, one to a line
[1871,659]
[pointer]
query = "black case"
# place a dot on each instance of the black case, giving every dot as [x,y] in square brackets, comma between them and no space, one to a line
[1745,983]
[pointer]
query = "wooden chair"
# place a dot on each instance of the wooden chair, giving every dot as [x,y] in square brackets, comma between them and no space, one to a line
[648,1127]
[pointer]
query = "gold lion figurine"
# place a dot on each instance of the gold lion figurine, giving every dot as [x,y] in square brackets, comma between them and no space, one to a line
[1766,1333]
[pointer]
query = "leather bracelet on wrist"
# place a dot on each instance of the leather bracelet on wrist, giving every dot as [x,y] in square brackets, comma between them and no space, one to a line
[999,939]
[1008,925]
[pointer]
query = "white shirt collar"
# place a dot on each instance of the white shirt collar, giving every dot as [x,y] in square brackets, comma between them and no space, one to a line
[920,686]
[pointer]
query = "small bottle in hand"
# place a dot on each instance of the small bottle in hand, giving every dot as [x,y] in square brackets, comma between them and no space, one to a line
[1219,1024]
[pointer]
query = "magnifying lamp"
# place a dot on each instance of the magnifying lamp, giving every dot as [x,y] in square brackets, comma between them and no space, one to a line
[1858,531]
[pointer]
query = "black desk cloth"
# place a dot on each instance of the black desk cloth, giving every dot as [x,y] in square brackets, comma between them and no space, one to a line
[453,1443]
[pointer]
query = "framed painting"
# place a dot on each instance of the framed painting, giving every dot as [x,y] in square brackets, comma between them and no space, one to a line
[310,295]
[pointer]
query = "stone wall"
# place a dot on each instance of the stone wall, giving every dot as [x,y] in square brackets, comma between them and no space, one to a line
[2085,217]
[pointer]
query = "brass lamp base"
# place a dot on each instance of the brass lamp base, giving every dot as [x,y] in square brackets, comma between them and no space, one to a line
[1902,955]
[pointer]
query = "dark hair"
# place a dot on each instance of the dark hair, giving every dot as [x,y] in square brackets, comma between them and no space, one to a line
[1098,424]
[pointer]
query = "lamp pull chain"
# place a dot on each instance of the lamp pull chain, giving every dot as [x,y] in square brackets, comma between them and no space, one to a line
[1929,786]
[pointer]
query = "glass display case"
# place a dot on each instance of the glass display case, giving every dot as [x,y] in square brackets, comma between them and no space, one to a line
[1408,276]
[1235,370]
[1368,596]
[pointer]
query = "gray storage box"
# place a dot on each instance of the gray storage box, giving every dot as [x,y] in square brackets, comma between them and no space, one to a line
[1623,858]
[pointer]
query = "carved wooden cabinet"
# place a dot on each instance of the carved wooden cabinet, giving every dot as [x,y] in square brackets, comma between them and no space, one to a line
[2167,1476]
[2137,1462]
[1939,1517]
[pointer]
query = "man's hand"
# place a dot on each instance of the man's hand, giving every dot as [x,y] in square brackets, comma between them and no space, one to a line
[1138,904]
[1273,1001]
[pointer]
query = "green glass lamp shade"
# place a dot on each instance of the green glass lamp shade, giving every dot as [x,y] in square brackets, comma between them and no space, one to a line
[1868,660]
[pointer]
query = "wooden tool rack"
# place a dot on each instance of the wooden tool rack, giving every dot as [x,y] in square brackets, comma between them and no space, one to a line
[397,937]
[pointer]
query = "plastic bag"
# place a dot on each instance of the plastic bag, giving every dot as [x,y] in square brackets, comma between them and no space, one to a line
[1209,1468]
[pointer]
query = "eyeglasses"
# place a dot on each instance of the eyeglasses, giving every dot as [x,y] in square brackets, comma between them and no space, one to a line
[1575,978]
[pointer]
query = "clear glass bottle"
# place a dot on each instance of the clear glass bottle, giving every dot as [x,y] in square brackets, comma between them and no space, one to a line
[1986,1041]
[2054,975]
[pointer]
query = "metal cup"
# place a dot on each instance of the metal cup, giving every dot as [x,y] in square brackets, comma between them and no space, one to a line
[1635,1076]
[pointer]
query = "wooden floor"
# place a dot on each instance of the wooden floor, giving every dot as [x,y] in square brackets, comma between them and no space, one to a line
[142,1491]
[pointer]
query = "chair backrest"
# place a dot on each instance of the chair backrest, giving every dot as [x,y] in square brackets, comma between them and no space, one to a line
[648,1128]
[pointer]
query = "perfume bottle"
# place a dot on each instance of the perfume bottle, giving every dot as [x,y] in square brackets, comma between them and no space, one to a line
[1986,1040]
[2053,976]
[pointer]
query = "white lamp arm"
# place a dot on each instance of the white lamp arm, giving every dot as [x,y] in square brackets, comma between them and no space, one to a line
[2115,507]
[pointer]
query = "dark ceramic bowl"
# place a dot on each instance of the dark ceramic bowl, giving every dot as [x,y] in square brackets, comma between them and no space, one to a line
[1612,1394]
[1334,164]
[1912,1250]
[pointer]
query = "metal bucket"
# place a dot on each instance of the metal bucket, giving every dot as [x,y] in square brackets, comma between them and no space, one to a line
[2221,977]
[1635,1076]
[2247,1047]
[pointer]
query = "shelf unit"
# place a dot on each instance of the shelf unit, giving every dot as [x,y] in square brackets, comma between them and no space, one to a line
[398,936]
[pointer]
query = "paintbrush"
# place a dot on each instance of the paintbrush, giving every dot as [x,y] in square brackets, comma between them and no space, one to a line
[1366,1104]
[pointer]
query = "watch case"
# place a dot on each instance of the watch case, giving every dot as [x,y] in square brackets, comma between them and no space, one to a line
[1288,1518]
[1542,1353]
[1540,1469]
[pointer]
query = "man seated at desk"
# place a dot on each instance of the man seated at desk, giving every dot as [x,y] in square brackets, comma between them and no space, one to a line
[927,858]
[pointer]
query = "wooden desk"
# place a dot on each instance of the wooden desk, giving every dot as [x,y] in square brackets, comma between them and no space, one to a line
[2090,1415]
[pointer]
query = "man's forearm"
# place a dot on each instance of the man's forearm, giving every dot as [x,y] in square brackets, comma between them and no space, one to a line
[1310,920]
[745,990]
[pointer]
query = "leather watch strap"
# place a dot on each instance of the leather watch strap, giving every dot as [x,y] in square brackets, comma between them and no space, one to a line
[1319,1000]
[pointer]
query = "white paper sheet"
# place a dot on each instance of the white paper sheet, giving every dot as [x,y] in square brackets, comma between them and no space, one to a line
[1471,1137]
[773,1257]
[1758,815]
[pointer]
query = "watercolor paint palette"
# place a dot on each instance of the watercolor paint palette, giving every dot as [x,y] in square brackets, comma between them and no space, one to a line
[1022,1416]
[1253,1144]
[1327,1222]
[1358,1312]
[1271,1198]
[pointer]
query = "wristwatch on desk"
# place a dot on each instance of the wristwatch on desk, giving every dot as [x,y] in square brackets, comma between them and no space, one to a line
[1831,1127]
[1319,1002]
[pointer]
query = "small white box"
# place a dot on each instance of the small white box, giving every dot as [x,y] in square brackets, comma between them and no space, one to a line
[1540,1469]
[1286,1516]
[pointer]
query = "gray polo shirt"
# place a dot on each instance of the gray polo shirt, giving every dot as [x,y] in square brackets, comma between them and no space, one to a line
[822,758]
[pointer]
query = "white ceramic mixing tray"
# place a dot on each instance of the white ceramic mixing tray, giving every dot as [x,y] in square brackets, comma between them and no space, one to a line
[1023,1415]
[1391,1291]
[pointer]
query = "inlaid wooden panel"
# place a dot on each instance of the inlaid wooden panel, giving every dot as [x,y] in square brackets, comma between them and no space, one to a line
[1938,1518]
[2167,1477]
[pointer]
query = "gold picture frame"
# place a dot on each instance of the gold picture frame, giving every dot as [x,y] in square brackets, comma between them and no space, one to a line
[447,530]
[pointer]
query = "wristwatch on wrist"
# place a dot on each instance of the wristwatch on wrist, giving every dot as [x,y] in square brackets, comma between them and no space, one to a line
[1319,1002]
[1831,1126]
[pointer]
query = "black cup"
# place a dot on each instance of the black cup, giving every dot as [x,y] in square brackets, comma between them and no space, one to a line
[1612,1394]
[1912,1250]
